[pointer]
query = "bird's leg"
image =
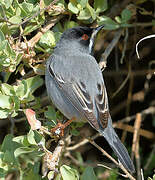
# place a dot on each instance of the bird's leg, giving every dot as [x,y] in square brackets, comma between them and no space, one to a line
[59,129]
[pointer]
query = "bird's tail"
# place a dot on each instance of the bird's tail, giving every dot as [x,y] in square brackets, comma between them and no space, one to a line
[118,148]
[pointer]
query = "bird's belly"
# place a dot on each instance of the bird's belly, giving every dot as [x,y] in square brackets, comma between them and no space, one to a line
[60,101]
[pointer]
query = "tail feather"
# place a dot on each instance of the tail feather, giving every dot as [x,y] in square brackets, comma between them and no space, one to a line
[118,148]
[123,155]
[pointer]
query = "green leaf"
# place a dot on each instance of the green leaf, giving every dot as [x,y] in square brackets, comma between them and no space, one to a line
[7,89]
[16,19]
[31,175]
[8,147]
[3,173]
[89,172]
[34,83]
[9,51]
[113,174]
[5,101]
[69,173]
[6,3]
[50,113]
[92,11]
[19,58]
[52,116]
[3,45]
[7,75]
[118,19]
[21,140]
[5,29]
[125,15]
[58,177]
[149,178]
[73,7]
[4,113]
[26,87]
[2,37]
[16,102]
[8,157]
[100,6]
[31,137]
[51,175]
[34,138]
[18,11]
[70,24]
[84,14]
[22,150]
[30,28]
[83,3]
[79,157]
[28,7]
[21,89]
[75,132]
[108,22]
[47,40]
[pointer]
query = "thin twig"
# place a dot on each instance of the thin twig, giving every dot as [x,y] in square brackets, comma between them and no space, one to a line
[109,48]
[125,45]
[128,128]
[121,86]
[113,160]
[83,142]
[35,14]
[135,144]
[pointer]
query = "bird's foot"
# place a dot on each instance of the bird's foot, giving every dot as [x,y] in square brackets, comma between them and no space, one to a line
[59,128]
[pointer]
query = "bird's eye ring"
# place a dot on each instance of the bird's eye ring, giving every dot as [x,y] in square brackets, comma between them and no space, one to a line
[85,37]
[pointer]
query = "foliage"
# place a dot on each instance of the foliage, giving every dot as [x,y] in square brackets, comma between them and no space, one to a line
[22,61]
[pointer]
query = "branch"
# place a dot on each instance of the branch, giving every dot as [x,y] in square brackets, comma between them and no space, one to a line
[128,128]
[109,48]
[135,144]
[36,38]
[85,141]
[113,160]
[51,160]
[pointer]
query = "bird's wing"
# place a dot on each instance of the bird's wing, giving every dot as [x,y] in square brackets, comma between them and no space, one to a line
[78,95]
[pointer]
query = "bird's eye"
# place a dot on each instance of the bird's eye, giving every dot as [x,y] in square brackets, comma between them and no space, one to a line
[85,37]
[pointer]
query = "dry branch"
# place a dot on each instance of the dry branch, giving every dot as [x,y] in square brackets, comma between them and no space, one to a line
[50,24]
[113,160]
[128,128]
[135,144]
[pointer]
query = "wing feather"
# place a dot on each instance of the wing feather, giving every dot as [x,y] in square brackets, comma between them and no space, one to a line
[78,95]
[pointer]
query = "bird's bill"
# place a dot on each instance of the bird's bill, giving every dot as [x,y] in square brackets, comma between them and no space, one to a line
[93,36]
[98,28]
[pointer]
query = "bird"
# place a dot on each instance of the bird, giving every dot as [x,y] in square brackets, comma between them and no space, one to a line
[76,87]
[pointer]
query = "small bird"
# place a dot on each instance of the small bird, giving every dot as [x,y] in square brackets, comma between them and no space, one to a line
[76,87]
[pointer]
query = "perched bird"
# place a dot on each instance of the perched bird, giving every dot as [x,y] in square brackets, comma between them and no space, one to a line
[76,87]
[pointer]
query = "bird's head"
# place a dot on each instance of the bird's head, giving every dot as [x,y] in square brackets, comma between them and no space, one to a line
[80,37]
